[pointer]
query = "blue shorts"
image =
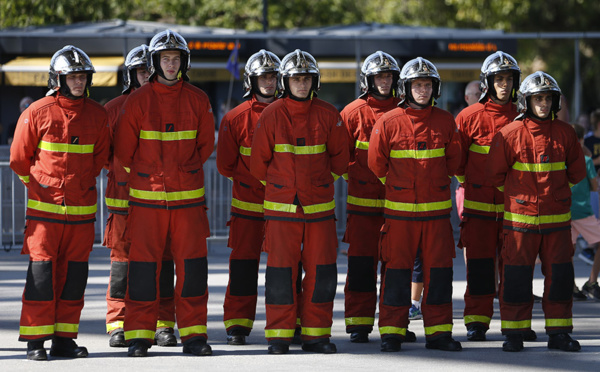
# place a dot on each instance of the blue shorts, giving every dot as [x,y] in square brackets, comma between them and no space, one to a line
[417,275]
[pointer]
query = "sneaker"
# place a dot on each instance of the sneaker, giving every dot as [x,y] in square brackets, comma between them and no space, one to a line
[591,290]
[414,313]
[587,256]
[578,295]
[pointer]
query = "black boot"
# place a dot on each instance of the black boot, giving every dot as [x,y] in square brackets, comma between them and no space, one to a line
[476,332]
[359,337]
[197,347]
[410,336]
[391,345]
[236,340]
[279,348]
[321,346]
[165,337]
[36,351]
[117,338]
[513,343]
[564,342]
[445,342]
[67,348]
[529,335]
[138,348]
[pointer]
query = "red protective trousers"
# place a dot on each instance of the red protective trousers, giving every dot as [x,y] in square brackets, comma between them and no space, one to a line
[56,278]
[150,231]
[400,241]
[114,238]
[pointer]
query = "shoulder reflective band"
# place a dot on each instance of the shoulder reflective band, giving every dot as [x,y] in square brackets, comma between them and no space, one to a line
[140,333]
[362,145]
[280,207]
[36,330]
[198,330]
[479,149]
[539,167]
[484,207]
[418,207]
[247,323]
[301,150]
[246,151]
[364,202]
[359,321]
[392,331]
[559,322]
[516,324]
[66,147]
[61,209]
[116,203]
[25,179]
[316,208]
[66,327]
[168,136]
[316,332]
[251,207]
[279,333]
[438,328]
[417,154]
[167,196]
[537,220]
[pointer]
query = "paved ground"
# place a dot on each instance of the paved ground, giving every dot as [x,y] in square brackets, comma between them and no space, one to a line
[479,356]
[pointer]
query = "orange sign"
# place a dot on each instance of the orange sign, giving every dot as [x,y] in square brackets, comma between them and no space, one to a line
[212,45]
[472,47]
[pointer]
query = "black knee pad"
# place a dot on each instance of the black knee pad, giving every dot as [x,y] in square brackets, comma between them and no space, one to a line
[279,289]
[518,283]
[397,287]
[325,284]
[38,286]
[77,275]
[142,281]
[196,277]
[243,275]
[166,281]
[481,276]
[440,286]
[361,275]
[561,287]
[118,279]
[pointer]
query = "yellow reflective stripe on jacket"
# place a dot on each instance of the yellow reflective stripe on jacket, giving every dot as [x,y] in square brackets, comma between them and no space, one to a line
[515,324]
[383,179]
[186,331]
[300,150]
[25,179]
[418,207]
[484,207]
[537,220]
[362,145]
[165,324]
[116,203]
[317,208]
[417,154]
[392,331]
[345,176]
[114,325]
[479,149]
[61,209]
[140,333]
[477,319]
[168,136]
[167,196]
[66,147]
[364,202]
[559,322]
[66,327]
[128,170]
[359,321]
[460,179]
[251,207]
[438,328]
[280,207]
[335,176]
[539,167]
[316,332]
[247,151]
[279,333]
[36,330]
[248,323]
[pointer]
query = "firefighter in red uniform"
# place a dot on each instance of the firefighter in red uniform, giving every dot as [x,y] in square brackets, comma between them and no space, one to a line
[117,200]
[481,227]
[300,147]
[535,159]
[246,227]
[164,135]
[379,83]
[60,145]
[415,150]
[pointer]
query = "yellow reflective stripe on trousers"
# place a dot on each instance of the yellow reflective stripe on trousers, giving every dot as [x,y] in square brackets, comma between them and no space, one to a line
[61,209]
[438,328]
[36,330]
[140,333]
[246,151]
[392,331]
[362,145]
[539,167]
[364,202]
[66,147]
[251,207]
[537,220]
[484,207]
[279,333]
[479,149]
[559,322]
[317,208]
[316,332]
[167,196]
[199,329]
[515,324]
[24,178]
[114,325]
[116,203]
[300,150]
[164,324]
[418,207]
[248,323]
[477,319]
[417,154]
[66,327]
[359,321]
[168,136]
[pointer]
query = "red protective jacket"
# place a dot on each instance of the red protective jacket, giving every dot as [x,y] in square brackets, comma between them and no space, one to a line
[535,162]
[164,135]
[365,191]
[233,157]
[298,149]
[477,125]
[415,153]
[117,189]
[60,146]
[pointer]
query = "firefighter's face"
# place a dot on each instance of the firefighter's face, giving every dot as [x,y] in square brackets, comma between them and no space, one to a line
[421,90]
[170,62]
[383,83]
[541,104]
[503,84]
[142,75]
[76,83]
[300,85]
[267,83]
